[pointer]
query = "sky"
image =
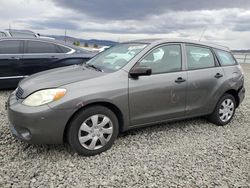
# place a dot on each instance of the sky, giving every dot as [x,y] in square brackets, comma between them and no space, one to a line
[224,22]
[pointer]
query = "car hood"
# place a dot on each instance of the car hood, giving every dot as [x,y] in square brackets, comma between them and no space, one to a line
[57,77]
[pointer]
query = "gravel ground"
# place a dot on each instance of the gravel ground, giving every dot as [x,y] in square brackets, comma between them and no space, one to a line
[192,153]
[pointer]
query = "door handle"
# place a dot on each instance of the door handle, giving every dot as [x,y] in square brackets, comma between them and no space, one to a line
[53,57]
[180,80]
[16,58]
[218,75]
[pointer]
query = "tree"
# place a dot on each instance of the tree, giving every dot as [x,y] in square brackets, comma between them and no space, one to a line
[95,46]
[86,44]
[76,43]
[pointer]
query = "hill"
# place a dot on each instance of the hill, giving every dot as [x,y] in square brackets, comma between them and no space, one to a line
[90,42]
[241,51]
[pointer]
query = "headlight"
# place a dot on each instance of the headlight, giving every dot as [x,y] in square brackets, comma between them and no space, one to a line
[44,96]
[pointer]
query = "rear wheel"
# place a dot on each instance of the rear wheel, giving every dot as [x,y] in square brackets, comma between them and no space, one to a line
[224,110]
[93,130]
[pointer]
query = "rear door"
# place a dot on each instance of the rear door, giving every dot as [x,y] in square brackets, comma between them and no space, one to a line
[205,78]
[39,56]
[11,51]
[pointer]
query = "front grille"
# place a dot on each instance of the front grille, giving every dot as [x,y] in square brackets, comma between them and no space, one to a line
[19,93]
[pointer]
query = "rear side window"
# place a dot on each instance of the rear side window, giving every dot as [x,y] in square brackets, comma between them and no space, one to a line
[64,49]
[42,47]
[10,47]
[225,58]
[199,57]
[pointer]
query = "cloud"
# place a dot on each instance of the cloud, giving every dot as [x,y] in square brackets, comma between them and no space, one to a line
[52,24]
[226,21]
[141,9]
[239,21]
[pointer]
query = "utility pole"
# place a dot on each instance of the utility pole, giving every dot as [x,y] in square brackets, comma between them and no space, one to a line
[65,35]
[9,27]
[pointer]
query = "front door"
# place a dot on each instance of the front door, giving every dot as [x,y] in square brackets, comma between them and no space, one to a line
[162,95]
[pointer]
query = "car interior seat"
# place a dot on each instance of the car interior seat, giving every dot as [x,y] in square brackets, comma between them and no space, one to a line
[172,61]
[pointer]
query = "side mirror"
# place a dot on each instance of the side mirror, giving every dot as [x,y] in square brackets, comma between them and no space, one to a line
[140,71]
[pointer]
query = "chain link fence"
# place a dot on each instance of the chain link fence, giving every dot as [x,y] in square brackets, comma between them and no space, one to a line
[242,57]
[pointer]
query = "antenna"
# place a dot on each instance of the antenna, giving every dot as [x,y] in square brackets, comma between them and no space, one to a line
[203,32]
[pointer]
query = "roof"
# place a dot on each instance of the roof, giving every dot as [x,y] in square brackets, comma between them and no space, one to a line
[29,38]
[45,40]
[35,39]
[20,30]
[159,41]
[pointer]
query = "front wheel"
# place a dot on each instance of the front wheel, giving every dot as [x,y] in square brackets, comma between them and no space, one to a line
[93,130]
[224,110]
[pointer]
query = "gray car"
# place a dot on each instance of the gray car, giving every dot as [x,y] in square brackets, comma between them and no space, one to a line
[162,80]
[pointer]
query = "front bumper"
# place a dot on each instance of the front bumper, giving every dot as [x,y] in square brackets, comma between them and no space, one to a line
[37,125]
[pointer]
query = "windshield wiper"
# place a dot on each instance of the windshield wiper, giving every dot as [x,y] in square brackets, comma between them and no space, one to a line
[94,67]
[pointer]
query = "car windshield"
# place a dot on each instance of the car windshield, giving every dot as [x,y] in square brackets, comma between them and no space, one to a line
[116,57]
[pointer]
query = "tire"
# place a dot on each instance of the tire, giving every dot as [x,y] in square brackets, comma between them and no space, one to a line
[96,124]
[218,117]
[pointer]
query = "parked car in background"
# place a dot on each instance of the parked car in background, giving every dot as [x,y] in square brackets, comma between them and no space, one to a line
[103,48]
[163,80]
[96,50]
[119,58]
[21,33]
[21,57]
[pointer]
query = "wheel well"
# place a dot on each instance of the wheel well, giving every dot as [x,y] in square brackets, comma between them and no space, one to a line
[108,105]
[236,96]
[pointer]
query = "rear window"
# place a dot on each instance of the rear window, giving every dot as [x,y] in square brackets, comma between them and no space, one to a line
[10,47]
[225,58]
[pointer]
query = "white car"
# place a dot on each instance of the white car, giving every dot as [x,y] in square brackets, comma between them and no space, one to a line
[103,48]
[125,56]
[21,33]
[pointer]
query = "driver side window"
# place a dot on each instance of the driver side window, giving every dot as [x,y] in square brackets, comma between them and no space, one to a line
[163,59]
